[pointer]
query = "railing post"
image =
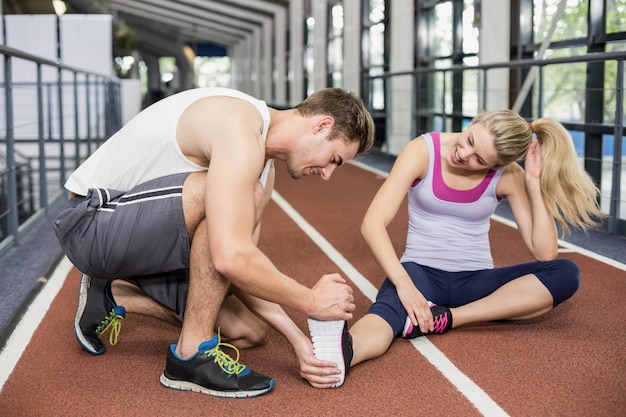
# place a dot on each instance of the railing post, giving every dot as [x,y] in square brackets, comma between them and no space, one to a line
[61,133]
[43,181]
[49,108]
[88,109]
[98,115]
[76,126]
[614,210]
[12,217]
[540,92]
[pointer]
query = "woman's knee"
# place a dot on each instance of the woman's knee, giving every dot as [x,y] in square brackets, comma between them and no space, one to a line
[563,280]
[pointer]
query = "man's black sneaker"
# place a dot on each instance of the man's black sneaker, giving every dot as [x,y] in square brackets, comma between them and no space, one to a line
[442,317]
[332,342]
[96,313]
[213,372]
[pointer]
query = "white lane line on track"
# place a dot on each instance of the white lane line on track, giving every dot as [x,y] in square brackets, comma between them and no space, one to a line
[466,386]
[21,336]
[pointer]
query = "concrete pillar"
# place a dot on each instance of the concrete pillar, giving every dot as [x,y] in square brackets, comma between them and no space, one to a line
[352,45]
[494,46]
[320,44]
[400,98]
[296,52]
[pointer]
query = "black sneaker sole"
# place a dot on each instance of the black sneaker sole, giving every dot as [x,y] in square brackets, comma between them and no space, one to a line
[190,386]
[85,342]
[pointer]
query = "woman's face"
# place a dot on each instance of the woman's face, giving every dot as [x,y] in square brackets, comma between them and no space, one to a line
[474,150]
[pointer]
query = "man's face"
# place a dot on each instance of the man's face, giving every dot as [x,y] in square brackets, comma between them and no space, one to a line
[320,156]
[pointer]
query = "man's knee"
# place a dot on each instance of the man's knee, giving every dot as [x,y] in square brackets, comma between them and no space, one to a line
[257,334]
[193,200]
[245,334]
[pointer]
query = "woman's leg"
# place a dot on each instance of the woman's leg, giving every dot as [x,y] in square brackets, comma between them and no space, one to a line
[371,337]
[523,298]
[515,292]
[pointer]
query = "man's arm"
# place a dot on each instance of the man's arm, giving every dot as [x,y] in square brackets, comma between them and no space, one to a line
[227,133]
[318,373]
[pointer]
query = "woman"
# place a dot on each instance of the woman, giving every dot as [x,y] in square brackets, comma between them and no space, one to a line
[446,276]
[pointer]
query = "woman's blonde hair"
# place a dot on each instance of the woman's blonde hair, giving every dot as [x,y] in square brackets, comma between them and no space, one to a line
[567,190]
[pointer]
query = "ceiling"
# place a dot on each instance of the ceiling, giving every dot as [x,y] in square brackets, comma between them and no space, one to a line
[208,25]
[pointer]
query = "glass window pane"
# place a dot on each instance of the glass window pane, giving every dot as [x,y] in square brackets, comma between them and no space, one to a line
[471,87]
[378,94]
[442,92]
[563,92]
[610,84]
[442,30]
[607,175]
[615,12]
[438,88]
[470,32]
[335,53]
[337,79]
[309,60]
[573,25]
[377,11]
[337,16]
[212,71]
[377,45]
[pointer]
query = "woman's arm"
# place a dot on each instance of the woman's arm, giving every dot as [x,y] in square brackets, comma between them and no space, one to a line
[411,164]
[522,189]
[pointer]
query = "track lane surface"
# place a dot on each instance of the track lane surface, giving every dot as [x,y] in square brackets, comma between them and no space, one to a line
[571,362]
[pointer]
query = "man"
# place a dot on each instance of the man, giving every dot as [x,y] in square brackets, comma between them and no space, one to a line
[180,190]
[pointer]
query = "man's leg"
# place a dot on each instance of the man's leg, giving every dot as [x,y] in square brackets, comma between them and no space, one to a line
[109,225]
[239,326]
[207,288]
[197,362]
[137,301]
[237,323]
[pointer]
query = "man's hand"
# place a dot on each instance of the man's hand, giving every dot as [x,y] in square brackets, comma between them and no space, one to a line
[318,373]
[333,299]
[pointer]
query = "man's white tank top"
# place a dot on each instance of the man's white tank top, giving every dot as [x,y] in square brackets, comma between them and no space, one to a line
[146,148]
[448,228]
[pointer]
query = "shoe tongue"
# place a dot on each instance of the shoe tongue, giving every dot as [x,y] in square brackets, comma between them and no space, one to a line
[207,345]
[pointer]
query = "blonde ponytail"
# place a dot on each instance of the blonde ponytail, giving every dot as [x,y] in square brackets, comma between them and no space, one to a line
[568,192]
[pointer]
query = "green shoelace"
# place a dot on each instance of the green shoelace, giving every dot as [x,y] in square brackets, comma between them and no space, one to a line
[114,322]
[229,365]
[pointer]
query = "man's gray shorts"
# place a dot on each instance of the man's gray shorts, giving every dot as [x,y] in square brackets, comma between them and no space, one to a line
[139,235]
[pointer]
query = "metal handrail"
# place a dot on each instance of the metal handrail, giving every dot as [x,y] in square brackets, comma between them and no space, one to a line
[15,220]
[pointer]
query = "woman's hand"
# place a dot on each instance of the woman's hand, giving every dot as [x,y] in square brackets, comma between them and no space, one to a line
[533,163]
[416,307]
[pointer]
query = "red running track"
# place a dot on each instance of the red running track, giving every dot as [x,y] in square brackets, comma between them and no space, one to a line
[570,362]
